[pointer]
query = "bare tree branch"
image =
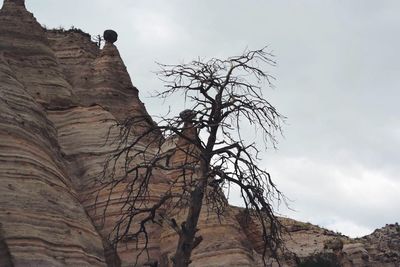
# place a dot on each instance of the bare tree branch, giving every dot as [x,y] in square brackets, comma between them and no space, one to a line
[209,153]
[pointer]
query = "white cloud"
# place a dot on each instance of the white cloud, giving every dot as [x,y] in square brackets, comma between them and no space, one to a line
[339,195]
[155,28]
[350,227]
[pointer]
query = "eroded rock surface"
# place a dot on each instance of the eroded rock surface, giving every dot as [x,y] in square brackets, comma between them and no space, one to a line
[42,220]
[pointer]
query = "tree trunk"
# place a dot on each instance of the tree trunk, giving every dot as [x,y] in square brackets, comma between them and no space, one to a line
[189,227]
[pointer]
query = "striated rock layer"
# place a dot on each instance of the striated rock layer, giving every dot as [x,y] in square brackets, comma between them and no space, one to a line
[42,221]
[60,95]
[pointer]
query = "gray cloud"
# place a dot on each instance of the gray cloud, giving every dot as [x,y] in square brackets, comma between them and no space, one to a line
[337,82]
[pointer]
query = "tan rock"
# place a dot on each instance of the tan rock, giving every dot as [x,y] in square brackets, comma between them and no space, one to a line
[25,49]
[42,221]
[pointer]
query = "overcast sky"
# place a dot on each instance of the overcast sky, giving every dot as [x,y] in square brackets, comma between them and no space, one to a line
[337,82]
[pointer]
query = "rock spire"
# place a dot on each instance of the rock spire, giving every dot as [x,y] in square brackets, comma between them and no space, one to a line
[15,2]
[27,52]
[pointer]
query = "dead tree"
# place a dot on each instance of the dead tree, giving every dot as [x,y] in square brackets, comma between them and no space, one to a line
[98,39]
[227,101]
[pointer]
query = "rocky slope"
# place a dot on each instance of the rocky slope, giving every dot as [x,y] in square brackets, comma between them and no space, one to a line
[59,96]
[42,220]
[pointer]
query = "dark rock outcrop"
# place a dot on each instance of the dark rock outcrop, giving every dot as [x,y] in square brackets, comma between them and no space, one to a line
[110,36]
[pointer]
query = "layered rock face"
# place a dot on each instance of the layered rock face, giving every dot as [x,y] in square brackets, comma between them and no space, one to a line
[60,96]
[25,48]
[309,245]
[42,222]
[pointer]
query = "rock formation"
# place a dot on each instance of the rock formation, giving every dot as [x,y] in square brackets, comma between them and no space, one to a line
[42,222]
[110,36]
[59,96]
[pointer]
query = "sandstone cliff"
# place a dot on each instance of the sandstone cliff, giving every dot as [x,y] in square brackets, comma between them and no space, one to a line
[59,96]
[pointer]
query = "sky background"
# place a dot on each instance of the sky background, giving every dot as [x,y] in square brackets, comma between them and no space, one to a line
[337,83]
